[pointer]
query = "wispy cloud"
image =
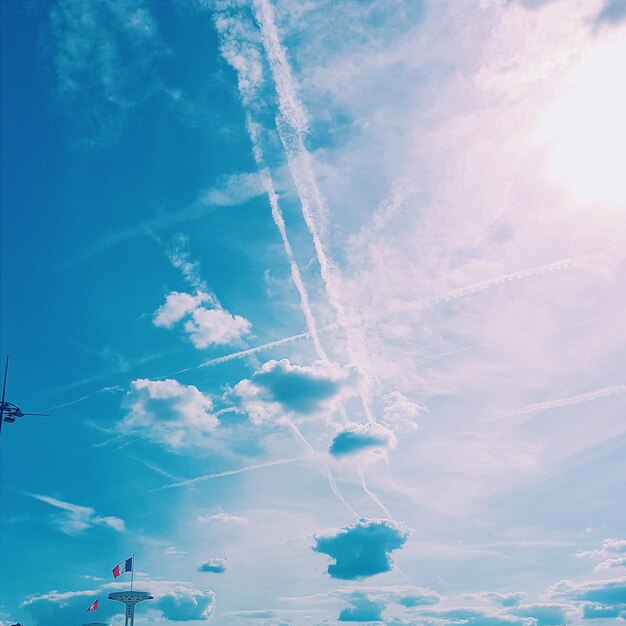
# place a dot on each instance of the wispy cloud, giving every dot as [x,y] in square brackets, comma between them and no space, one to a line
[75,519]
[106,63]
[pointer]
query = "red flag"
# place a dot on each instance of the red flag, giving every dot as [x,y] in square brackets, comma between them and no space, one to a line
[93,607]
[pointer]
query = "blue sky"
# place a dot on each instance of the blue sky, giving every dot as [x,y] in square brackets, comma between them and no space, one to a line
[326,303]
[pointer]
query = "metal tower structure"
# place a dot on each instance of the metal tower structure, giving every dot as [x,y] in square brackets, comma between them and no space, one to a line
[130,598]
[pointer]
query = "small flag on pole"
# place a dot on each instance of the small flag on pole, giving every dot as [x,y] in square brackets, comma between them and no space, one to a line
[124,566]
[93,607]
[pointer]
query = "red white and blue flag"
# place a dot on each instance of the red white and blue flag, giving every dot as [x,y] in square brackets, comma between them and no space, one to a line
[124,566]
[93,607]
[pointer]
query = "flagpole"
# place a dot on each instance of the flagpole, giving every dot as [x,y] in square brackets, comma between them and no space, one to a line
[132,571]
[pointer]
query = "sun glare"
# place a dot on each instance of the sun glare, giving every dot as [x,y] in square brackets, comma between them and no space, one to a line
[586,127]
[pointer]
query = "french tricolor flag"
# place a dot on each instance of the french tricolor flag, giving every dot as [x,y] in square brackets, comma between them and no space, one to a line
[124,566]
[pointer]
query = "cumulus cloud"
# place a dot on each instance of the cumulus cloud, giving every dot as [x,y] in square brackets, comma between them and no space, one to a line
[399,412]
[358,438]
[512,598]
[611,554]
[176,601]
[209,327]
[183,604]
[597,611]
[168,412]
[601,595]
[74,519]
[224,518]
[363,548]
[216,565]
[611,563]
[60,608]
[280,386]
[204,327]
[543,614]
[362,610]
[479,617]
[177,305]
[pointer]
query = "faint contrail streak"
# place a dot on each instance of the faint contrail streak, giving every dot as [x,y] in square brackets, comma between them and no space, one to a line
[248,83]
[247,89]
[555,404]
[563,264]
[242,353]
[475,288]
[371,494]
[292,124]
[329,476]
[110,389]
[156,468]
[241,470]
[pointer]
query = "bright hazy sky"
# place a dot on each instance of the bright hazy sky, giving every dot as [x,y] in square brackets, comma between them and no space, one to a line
[326,303]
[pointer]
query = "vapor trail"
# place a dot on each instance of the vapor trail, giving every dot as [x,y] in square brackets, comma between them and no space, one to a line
[372,495]
[241,353]
[325,469]
[248,82]
[555,404]
[557,266]
[292,125]
[241,470]
[110,389]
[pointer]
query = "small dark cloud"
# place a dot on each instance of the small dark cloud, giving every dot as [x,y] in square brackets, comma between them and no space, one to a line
[216,565]
[418,599]
[355,438]
[299,388]
[362,548]
[280,386]
[362,610]
[613,12]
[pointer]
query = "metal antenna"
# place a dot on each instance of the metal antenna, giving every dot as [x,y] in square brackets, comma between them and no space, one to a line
[9,412]
[4,390]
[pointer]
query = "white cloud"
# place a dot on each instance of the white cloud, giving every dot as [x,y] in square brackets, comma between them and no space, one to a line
[175,600]
[204,326]
[75,519]
[611,554]
[177,305]
[399,412]
[224,518]
[234,189]
[215,326]
[165,411]
[215,565]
